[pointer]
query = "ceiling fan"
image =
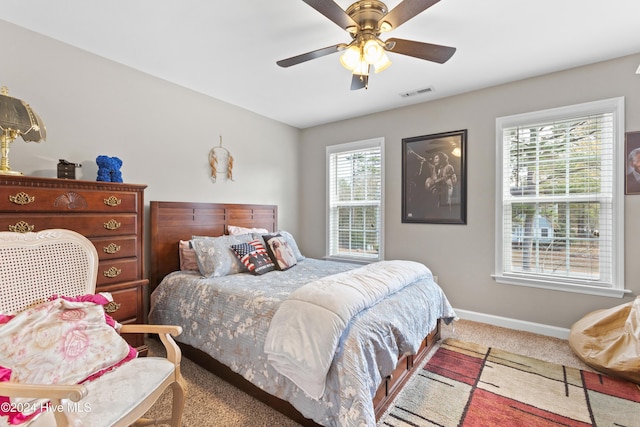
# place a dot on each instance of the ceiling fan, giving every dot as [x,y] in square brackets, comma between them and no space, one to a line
[365,21]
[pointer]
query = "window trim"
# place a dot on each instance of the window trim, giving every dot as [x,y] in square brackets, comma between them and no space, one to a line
[612,105]
[349,146]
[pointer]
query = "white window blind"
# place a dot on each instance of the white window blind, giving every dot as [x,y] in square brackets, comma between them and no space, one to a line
[355,200]
[560,221]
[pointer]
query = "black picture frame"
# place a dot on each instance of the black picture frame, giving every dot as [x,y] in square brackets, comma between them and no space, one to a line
[434,178]
[632,151]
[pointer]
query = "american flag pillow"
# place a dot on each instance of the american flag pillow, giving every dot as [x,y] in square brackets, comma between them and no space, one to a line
[254,256]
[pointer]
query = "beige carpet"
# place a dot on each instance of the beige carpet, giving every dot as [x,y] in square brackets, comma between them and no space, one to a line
[212,402]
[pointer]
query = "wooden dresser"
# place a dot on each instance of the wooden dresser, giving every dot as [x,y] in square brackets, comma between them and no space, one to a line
[109,214]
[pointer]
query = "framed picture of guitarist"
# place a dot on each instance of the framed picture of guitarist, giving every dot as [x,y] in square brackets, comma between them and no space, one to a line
[434,178]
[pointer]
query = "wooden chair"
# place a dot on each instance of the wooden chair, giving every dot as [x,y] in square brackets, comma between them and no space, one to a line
[35,266]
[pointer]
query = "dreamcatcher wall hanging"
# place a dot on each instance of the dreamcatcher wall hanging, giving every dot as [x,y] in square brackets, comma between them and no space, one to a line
[221,162]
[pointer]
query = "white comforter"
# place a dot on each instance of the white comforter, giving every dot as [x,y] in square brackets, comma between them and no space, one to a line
[305,331]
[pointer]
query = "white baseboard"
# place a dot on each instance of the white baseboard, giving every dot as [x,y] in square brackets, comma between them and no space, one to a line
[520,325]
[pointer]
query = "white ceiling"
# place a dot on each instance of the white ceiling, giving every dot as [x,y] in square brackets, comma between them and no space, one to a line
[228,49]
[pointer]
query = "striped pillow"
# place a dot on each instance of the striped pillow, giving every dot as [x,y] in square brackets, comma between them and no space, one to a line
[254,256]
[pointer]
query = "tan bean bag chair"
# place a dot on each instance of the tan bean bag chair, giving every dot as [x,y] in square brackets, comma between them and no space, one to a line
[609,340]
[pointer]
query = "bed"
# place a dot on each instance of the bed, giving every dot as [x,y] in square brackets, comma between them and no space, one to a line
[226,320]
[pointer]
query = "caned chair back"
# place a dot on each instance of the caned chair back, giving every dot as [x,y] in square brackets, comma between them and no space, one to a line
[35,266]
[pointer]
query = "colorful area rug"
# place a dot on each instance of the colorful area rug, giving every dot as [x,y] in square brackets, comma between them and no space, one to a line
[466,384]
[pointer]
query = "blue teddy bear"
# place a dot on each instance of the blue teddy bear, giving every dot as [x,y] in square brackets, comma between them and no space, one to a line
[109,169]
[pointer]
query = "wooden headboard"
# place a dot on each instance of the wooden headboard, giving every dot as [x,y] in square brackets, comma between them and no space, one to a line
[175,221]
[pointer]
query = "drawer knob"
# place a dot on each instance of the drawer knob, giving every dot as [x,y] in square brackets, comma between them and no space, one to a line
[112,224]
[112,272]
[112,248]
[112,201]
[22,199]
[22,227]
[112,307]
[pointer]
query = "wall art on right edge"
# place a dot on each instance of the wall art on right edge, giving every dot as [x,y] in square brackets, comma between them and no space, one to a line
[434,178]
[632,150]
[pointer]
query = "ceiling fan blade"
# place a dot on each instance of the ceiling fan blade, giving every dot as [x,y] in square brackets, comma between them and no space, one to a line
[406,10]
[294,60]
[359,82]
[427,51]
[335,13]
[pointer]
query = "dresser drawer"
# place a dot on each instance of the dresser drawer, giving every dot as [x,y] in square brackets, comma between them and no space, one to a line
[61,200]
[116,247]
[115,271]
[110,214]
[125,304]
[127,308]
[86,224]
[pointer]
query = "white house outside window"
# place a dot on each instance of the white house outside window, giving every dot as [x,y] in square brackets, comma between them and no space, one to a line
[355,200]
[559,222]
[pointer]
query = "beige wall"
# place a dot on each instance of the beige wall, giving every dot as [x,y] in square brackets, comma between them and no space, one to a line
[463,255]
[161,131]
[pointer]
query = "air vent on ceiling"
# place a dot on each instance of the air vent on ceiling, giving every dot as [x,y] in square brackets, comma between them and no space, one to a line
[417,92]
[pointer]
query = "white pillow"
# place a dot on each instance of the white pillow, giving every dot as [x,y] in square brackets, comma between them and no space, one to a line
[235,230]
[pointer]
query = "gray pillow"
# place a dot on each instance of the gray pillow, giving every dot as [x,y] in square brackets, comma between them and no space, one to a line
[215,257]
[292,244]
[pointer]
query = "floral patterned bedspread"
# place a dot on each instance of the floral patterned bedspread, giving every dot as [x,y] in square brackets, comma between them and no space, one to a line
[228,318]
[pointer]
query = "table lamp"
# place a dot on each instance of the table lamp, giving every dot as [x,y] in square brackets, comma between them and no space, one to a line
[17,119]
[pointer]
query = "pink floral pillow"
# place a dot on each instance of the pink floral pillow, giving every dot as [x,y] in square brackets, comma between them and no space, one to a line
[188,261]
[61,341]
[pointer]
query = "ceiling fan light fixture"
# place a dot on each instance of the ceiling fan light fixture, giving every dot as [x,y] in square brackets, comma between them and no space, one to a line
[372,51]
[350,58]
[382,64]
[365,21]
[362,69]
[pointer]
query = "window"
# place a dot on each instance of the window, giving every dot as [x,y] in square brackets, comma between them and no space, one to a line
[355,203]
[559,213]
